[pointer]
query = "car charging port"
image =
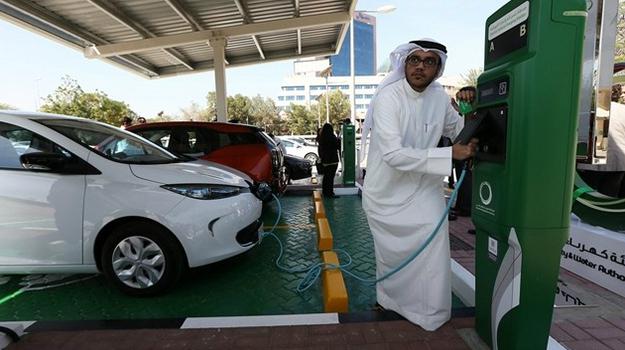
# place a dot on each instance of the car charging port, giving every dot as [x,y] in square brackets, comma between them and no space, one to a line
[261,190]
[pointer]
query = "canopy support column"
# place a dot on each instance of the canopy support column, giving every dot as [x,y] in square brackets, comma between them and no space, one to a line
[219,61]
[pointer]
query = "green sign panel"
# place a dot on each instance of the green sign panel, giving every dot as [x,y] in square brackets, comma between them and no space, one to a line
[349,155]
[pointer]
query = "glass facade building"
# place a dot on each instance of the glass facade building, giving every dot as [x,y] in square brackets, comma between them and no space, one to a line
[364,45]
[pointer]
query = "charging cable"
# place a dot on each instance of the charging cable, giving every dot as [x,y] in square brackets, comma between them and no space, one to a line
[313,271]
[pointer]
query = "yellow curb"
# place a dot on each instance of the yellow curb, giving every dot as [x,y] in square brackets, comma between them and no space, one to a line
[317,196]
[324,241]
[320,210]
[334,290]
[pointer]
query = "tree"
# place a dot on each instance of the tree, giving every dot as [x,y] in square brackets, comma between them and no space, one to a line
[211,106]
[301,120]
[162,117]
[195,113]
[265,115]
[339,108]
[6,106]
[470,79]
[619,51]
[239,109]
[70,99]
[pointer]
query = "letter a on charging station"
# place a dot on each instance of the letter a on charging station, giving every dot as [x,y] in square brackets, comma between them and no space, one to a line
[527,104]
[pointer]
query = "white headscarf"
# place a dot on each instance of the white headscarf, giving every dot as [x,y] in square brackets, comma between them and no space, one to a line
[398,64]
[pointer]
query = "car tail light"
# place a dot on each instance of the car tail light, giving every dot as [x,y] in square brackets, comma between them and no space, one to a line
[275,158]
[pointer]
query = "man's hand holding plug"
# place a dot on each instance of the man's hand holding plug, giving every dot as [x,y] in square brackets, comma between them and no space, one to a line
[460,151]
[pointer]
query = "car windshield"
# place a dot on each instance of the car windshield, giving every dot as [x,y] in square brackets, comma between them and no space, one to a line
[111,142]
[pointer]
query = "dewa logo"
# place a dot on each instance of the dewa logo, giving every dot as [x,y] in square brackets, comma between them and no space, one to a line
[486,193]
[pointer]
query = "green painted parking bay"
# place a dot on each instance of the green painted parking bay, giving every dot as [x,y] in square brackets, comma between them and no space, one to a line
[249,284]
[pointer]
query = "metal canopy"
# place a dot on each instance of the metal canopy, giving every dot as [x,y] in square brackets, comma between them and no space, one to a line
[157,38]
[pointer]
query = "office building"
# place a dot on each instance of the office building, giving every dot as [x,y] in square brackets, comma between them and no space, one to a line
[305,86]
[307,82]
[306,89]
[364,46]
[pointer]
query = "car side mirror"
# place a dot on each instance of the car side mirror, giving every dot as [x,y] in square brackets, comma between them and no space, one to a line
[299,146]
[43,161]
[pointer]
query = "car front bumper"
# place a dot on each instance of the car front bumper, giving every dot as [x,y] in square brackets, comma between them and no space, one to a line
[214,230]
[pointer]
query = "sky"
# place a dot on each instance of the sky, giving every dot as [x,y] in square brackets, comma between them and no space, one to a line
[32,66]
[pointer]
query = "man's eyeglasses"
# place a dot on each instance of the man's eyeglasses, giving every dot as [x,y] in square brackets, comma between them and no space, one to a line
[427,62]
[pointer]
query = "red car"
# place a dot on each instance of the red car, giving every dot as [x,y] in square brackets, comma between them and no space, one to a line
[243,147]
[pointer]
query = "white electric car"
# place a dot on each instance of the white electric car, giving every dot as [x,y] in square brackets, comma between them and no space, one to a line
[78,196]
[296,148]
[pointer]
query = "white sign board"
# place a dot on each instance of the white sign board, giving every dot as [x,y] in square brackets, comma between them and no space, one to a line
[596,254]
[509,20]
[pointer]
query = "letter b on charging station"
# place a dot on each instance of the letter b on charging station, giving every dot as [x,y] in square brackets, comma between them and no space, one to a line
[527,101]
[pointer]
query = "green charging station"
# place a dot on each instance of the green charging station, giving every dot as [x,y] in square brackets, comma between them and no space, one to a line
[349,154]
[526,120]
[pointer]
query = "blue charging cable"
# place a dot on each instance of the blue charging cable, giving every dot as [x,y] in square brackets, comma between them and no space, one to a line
[313,271]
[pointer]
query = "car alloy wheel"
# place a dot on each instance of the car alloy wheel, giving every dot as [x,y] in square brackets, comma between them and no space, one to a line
[311,157]
[138,262]
[142,258]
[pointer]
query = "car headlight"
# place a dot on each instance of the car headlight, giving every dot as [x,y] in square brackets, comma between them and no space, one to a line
[201,191]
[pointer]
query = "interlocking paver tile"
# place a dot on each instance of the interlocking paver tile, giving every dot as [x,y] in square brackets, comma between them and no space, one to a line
[606,333]
[378,346]
[617,321]
[447,344]
[372,333]
[559,334]
[585,345]
[415,345]
[574,331]
[591,323]
[614,344]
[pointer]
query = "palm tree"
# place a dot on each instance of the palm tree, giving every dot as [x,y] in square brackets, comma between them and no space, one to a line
[470,79]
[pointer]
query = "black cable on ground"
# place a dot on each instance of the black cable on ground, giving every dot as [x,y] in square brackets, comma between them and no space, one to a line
[9,332]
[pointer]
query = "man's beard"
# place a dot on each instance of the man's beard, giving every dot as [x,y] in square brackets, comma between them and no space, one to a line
[421,84]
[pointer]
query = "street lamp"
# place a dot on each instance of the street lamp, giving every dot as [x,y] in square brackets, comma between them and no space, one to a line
[37,89]
[318,112]
[352,51]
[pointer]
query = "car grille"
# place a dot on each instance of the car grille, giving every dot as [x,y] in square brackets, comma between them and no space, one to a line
[249,234]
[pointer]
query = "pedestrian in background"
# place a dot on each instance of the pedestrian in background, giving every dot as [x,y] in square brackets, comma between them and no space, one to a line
[126,122]
[328,148]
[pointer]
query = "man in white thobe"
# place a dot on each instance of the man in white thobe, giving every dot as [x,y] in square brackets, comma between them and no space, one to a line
[403,193]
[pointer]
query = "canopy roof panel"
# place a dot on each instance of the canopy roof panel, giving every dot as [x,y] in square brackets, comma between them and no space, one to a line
[156,38]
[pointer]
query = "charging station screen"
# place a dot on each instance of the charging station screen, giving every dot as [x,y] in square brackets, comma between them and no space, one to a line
[494,90]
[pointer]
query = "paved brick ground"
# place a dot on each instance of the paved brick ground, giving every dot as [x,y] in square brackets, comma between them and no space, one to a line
[362,336]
